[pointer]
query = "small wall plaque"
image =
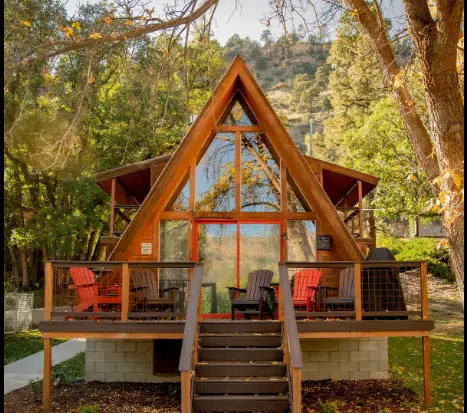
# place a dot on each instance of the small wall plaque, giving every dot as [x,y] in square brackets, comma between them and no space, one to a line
[146,248]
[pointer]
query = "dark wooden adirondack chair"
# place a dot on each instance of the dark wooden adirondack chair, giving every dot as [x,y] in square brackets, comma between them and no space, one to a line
[305,286]
[147,293]
[257,291]
[346,291]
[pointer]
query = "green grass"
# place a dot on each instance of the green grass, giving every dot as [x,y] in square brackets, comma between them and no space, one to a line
[20,345]
[69,371]
[447,369]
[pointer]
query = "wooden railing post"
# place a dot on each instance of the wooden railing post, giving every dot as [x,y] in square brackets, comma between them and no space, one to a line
[112,206]
[426,371]
[47,377]
[48,290]
[358,291]
[424,289]
[125,291]
[360,207]
[296,390]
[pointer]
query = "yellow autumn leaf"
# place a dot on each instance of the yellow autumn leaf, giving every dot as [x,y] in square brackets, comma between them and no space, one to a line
[107,20]
[76,25]
[91,78]
[26,23]
[69,32]
[457,180]
[410,178]
[399,80]
[129,23]
[150,12]
[95,36]
[166,52]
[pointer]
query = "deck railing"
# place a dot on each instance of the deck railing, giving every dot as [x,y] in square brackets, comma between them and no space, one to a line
[366,290]
[112,290]
[189,353]
[292,350]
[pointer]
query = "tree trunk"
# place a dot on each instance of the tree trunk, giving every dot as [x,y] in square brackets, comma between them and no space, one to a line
[15,267]
[24,268]
[435,45]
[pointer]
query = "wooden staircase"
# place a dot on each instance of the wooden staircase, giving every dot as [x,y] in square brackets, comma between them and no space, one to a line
[241,368]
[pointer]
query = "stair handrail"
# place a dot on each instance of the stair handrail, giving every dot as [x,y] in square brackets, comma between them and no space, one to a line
[292,348]
[189,352]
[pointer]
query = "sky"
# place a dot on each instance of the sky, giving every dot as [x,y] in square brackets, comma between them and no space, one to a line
[246,19]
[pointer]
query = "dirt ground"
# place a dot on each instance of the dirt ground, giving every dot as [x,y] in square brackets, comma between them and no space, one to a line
[368,396]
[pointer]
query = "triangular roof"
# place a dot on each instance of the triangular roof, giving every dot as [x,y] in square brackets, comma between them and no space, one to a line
[238,79]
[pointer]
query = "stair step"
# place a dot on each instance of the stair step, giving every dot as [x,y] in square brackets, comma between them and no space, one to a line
[241,340]
[239,403]
[240,354]
[240,326]
[241,370]
[241,386]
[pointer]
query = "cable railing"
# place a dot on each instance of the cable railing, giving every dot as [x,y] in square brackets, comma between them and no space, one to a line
[117,291]
[369,290]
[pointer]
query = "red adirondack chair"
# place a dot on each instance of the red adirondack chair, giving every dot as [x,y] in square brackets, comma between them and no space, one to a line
[90,292]
[305,287]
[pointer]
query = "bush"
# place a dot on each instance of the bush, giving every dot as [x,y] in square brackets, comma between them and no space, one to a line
[328,407]
[421,249]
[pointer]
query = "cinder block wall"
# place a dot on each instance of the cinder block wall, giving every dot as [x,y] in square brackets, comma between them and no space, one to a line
[122,360]
[336,359]
[345,359]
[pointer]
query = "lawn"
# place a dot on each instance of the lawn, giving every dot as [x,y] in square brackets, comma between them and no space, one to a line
[20,345]
[447,369]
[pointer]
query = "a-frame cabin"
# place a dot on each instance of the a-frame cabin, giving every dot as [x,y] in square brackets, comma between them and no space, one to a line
[236,209]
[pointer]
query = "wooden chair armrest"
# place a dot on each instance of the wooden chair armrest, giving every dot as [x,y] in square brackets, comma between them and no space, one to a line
[241,290]
[74,287]
[165,290]
[133,290]
[268,289]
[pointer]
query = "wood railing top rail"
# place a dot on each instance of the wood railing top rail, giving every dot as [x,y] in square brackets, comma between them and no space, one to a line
[333,264]
[191,323]
[290,321]
[116,264]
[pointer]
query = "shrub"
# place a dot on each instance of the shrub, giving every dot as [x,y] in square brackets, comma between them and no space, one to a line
[420,249]
[328,407]
[89,408]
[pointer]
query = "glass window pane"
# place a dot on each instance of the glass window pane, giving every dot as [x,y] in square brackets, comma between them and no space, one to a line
[259,250]
[293,201]
[217,250]
[237,117]
[174,240]
[260,175]
[301,244]
[215,175]
[181,204]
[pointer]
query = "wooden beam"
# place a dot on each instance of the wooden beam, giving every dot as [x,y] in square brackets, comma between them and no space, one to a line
[246,129]
[358,291]
[360,206]
[48,290]
[284,197]
[361,334]
[115,336]
[125,291]
[112,206]
[238,172]
[426,371]
[47,378]
[192,194]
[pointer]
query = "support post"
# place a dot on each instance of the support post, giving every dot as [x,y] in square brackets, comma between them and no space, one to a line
[297,390]
[186,391]
[426,371]
[358,291]
[48,290]
[360,206]
[47,379]
[125,291]
[112,206]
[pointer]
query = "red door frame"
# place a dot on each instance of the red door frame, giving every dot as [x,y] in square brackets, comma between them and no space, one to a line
[236,222]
